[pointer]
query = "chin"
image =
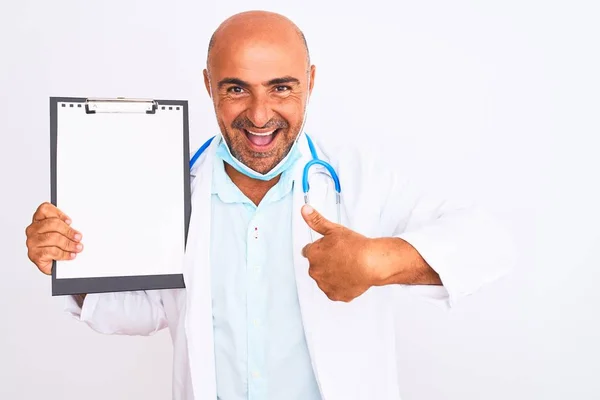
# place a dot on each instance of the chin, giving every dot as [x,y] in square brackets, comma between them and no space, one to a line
[261,169]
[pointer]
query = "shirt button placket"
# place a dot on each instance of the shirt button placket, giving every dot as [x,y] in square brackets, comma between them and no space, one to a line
[255,310]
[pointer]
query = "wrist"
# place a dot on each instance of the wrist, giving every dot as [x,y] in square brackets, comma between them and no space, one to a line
[386,260]
[395,261]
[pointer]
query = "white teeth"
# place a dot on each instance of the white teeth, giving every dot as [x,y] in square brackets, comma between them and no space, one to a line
[262,134]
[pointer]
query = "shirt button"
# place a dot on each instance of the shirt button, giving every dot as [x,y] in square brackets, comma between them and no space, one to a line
[257,269]
[255,374]
[256,322]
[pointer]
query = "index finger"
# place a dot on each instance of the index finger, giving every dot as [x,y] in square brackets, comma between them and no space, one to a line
[47,210]
[309,249]
[305,250]
[56,225]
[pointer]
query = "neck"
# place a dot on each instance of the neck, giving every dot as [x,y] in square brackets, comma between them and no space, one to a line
[254,189]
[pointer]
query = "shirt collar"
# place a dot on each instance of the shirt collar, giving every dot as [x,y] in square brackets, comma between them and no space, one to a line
[228,192]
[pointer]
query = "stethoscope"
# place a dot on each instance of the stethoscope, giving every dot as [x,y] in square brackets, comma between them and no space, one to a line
[305,185]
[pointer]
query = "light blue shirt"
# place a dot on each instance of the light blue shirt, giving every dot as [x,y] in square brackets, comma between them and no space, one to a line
[260,347]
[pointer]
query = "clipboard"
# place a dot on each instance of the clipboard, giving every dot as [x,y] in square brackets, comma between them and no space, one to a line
[120,170]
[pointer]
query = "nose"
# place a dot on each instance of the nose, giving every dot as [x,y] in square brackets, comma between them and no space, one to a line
[259,111]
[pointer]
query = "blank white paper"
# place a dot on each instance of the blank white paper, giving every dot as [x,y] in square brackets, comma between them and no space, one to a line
[120,177]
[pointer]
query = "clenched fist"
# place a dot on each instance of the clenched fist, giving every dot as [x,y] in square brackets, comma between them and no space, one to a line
[50,237]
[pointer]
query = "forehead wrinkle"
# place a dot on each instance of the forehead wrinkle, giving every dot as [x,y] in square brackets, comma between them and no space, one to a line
[257,65]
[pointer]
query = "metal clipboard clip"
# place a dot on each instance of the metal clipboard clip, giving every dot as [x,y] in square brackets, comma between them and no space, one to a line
[120,105]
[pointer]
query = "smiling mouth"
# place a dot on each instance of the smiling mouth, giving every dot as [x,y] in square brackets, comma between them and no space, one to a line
[261,139]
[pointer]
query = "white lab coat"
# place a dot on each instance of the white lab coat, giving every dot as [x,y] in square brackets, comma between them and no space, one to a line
[352,345]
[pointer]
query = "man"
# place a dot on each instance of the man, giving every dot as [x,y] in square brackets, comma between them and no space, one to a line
[267,313]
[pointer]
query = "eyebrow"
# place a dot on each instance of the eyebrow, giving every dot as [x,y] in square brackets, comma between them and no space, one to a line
[232,81]
[282,80]
[275,81]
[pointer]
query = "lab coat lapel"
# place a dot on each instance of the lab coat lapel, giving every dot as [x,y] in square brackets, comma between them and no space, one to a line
[198,311]
[307,288]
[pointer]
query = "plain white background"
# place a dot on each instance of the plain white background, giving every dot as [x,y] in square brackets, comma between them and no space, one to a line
[499,99]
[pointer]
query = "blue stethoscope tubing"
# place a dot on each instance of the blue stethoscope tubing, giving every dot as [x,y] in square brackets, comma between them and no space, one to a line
[305,185]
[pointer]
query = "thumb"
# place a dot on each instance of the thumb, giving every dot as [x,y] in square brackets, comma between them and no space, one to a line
[316,221]
[48,210]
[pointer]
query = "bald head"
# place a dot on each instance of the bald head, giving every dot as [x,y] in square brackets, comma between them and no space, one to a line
[257,25]
[259,78]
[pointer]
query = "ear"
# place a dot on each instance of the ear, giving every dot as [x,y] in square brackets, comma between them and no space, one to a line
[312,79]
[207,83]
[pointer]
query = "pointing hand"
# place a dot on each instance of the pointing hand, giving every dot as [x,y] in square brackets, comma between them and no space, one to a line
[339,261]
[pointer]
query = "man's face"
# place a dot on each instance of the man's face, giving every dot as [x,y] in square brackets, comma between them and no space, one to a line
[259,91]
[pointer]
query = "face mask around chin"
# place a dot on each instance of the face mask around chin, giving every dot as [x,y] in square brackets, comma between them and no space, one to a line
[225,154]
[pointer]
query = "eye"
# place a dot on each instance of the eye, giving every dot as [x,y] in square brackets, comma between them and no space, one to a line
[282,88]
[235,90]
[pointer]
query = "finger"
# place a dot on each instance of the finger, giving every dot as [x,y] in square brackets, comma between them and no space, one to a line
[316,221]
[314,273]
[326,289]
[55,239]
[305,250]
[44,256]
[311,250]
[47,210]
[56,225]
[46,268]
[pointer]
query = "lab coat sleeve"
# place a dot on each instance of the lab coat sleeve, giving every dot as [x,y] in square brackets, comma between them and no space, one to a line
[138,313]
[464,244]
